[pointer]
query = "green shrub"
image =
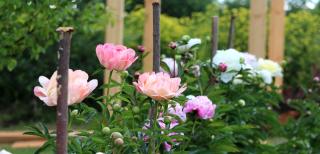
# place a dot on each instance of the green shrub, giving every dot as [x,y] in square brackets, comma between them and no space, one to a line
[171,29]
[33,26]
[302,49]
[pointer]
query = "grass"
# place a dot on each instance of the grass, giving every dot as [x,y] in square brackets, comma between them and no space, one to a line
[21,150]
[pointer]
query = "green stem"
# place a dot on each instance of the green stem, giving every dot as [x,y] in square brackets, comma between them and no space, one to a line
[153,126]
[70,122]
[200,86]
[109,81]
[104,110]
[193,127]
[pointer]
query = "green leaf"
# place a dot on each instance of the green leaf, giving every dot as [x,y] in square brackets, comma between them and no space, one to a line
[44,147]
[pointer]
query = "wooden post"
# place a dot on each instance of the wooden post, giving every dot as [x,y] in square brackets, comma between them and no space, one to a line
[62,89]
[276,33]
[114,34]
[257,29]
[214,37]
[231,32]
[147,36]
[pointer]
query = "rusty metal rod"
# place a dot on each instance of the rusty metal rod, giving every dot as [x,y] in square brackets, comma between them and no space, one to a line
[156,68]
[156,36]
[62,89]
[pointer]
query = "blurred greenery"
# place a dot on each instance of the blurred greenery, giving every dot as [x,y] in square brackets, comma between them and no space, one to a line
[175,8]
[135,33]
[25,60]
[302,50]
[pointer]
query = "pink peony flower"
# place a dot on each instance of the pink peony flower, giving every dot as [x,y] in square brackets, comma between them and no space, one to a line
[202,105]
[159,86]
[79,88]
[115,57]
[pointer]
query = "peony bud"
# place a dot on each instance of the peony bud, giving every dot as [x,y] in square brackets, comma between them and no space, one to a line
[119,141]
[116,107]
[309,112]
[141,48]
[212,137]
[134,138]
[116,135]
[316,79]
[196,70]
[124,74]
[186,38]
[222,67]
[250,141]
[136,75]
[172,45]
[74,113]
[167,119]
[136,109]
[208,38]
[242,102]
[106,130]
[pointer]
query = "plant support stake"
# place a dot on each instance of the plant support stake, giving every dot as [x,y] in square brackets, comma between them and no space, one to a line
[214,37]
[156,68]
[156,36]
[62,89]
[231,32]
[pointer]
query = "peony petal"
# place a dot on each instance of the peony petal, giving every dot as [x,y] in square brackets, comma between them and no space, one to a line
[44,81]
[92,85]
[39,92]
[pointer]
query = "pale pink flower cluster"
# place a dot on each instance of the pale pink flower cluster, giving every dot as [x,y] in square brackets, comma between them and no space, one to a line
[78,89]
[202,105]
[174,110]
[159,86]
[177,110]
[115,57]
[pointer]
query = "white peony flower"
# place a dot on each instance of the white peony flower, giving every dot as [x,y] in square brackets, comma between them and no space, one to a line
[192,42]
[266,76]
[269,65]
[250,60]
[231,58]
[173,66]
[100,153]
[5,152]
